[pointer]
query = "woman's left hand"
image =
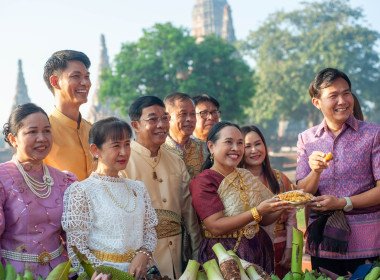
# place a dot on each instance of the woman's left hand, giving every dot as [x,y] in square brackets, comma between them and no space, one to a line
[138,266]
[327,202]
[286,258]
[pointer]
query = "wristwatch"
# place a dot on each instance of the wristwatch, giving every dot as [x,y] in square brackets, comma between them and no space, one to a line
[348,206]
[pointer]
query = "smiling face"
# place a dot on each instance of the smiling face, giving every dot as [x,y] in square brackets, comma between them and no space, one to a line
[228,150]
[254,151]
[335,102]
[73,84]
[33,140]
[113,155]
[182,122]
[150,132]
[204,125]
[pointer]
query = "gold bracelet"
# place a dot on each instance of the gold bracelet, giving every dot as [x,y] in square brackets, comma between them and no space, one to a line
[255,215]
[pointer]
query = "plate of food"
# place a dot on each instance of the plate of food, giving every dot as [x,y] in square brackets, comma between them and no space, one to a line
[295,197]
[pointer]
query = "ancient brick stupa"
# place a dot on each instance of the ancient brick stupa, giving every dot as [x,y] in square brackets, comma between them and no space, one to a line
[100,110]
[212,17]
[21,95]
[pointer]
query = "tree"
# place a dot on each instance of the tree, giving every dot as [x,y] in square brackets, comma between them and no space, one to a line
[167,59]
[291,48]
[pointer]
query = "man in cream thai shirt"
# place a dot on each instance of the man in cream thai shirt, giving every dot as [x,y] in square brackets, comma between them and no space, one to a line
[166,179]
[66,75]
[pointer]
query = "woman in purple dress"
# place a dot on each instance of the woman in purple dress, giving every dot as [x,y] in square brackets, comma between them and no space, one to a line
[231,204]
[31,195]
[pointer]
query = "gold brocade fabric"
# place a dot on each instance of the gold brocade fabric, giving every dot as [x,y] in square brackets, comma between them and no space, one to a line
[193,155]
[230,195]
[169,223]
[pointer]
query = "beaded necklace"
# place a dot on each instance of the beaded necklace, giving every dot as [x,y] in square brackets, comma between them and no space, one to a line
[40,189]
[118,204]
[242,187]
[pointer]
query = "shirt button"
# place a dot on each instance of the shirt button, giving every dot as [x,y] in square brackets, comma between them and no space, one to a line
[164,200]
[170,243]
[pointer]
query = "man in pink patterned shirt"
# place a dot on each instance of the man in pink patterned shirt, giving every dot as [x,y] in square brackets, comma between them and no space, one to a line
[344,229]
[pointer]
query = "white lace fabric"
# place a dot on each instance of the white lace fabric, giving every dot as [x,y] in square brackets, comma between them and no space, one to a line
[93,221]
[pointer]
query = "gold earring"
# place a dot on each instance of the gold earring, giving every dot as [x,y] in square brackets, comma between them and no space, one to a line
[212,157]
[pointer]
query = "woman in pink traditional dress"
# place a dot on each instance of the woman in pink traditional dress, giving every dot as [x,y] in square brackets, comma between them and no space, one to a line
[31,195]
[231,204]
[256,160]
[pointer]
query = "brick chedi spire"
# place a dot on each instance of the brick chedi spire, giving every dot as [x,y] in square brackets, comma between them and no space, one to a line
[21,95]
[100,110]
[228,32]
[212,17]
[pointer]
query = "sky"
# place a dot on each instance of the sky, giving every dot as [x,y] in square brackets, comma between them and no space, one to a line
[31,30]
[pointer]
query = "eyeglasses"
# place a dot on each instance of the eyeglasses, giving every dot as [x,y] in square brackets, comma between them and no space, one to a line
[155,120]
[214,114]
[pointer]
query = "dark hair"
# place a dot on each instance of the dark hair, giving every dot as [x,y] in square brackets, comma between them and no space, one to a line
[213,136]
[324,79]
[205,98]
[358,114]
[172,98]
[17,116]
[108,128]
[135,110]
[58,62]
[268,171]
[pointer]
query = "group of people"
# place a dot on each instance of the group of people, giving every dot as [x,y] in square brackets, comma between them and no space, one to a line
[185,181]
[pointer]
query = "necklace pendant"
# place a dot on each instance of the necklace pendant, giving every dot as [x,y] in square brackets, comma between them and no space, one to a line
[154,175]
[48,180]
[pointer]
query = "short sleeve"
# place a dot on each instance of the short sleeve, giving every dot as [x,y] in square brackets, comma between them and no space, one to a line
[303,168]
[205,198]
[376,156]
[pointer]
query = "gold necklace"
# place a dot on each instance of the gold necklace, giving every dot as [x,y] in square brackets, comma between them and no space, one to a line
[118,204]
[242,187]
[40,189]
[154,173]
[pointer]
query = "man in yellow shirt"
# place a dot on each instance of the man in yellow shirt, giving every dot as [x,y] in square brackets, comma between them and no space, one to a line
[66,75]
[167,181]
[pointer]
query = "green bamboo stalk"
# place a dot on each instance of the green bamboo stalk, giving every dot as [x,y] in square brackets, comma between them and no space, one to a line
[297,249]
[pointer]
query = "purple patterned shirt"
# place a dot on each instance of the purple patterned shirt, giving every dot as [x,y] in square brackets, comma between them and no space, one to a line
[354,170]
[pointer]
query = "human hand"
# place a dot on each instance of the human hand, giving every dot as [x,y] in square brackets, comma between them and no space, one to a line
[138,266]
[327,202]
[286,258]
[100,276]
[273,205]
[318,162]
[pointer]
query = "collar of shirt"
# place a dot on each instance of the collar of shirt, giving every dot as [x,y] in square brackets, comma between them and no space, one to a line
[66,120]
[350,122]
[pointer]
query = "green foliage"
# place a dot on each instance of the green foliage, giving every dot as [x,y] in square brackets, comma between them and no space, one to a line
[167,59]
[60,272]
[290,48]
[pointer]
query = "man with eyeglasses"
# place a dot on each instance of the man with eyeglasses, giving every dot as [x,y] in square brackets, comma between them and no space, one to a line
[182,123]
[167,181]
[207,113]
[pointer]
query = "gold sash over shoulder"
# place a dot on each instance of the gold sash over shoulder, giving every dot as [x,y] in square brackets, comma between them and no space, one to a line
[169,223]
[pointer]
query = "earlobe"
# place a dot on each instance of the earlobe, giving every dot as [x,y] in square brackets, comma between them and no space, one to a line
[135,125]
[210,146]
[94,150]
[12,140]
[54,82]
[316,103]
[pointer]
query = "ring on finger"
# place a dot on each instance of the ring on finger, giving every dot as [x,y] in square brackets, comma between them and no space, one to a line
[319,204]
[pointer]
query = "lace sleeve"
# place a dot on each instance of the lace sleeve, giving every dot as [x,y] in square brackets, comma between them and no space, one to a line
[150,221]
[77,221]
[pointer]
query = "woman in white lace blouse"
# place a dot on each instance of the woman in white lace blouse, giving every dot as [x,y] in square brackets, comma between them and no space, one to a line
[109,218]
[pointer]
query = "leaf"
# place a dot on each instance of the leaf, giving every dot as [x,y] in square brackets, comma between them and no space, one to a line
[84,262]
[60,272]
